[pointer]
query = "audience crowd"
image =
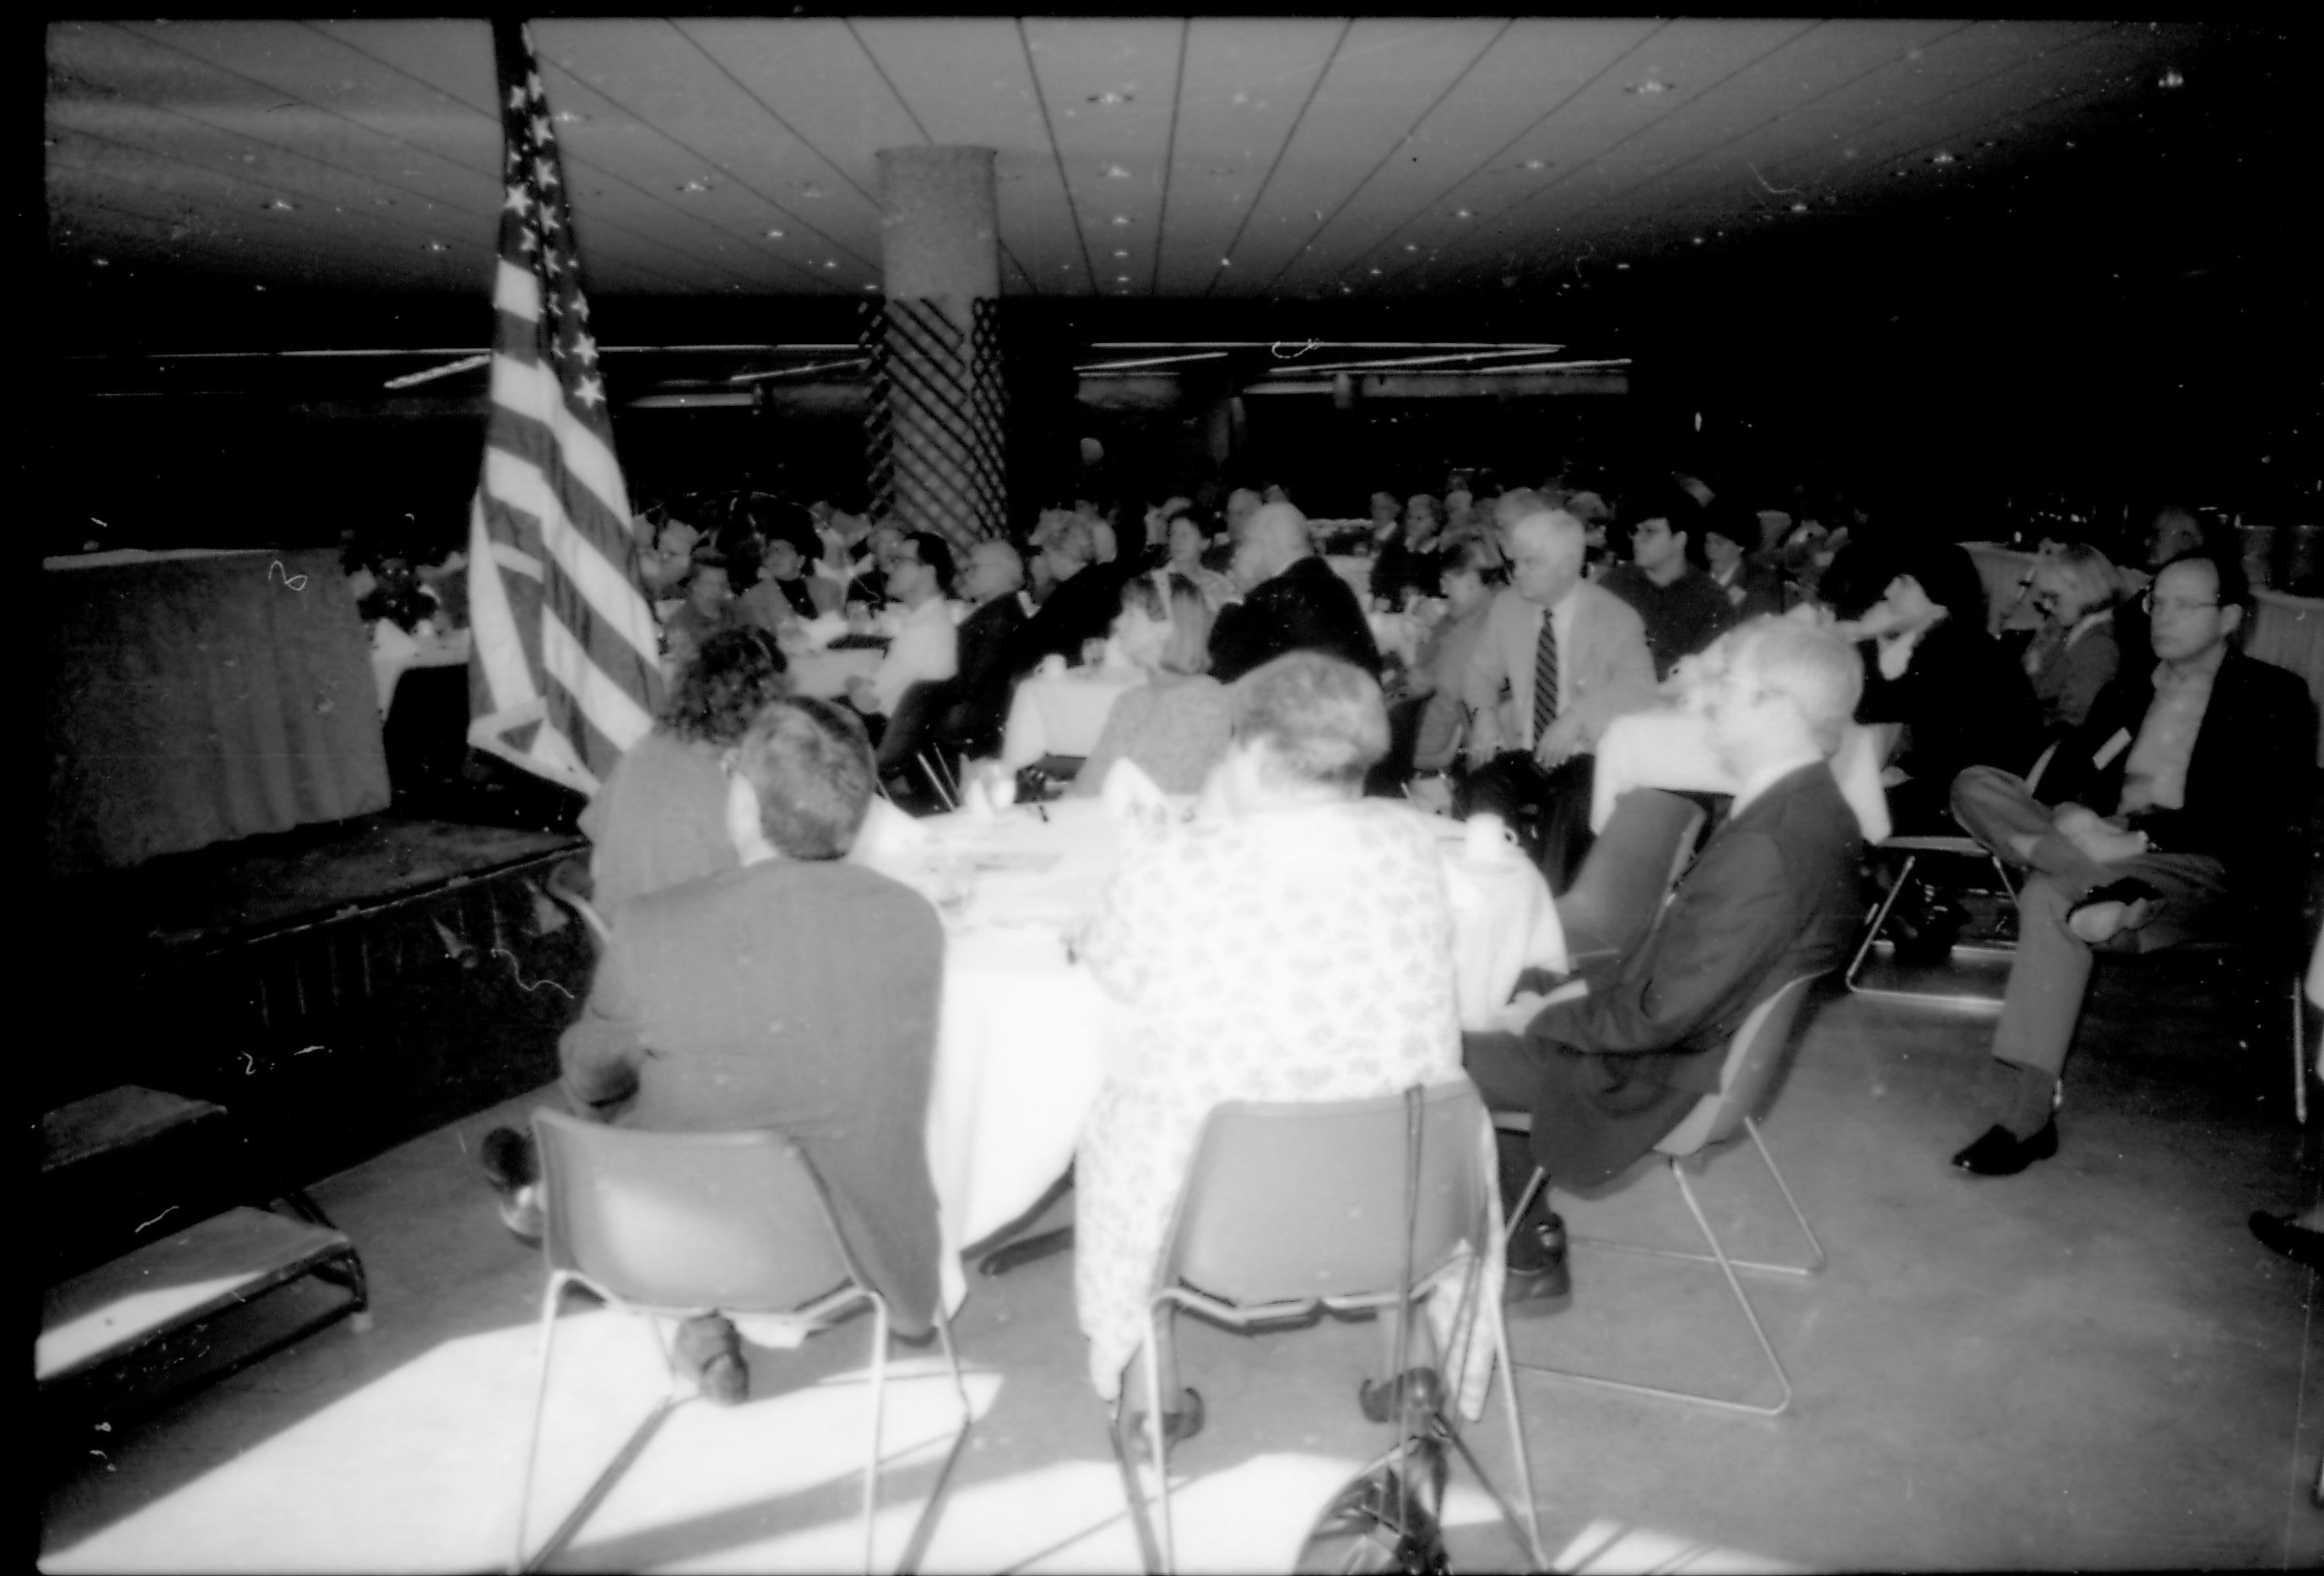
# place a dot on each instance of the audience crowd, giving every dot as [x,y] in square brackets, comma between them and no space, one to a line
[1305,685]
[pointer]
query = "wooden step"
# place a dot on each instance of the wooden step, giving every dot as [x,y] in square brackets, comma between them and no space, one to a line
[100,1317]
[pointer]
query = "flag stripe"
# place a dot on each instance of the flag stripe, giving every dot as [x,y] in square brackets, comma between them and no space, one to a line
[565,674]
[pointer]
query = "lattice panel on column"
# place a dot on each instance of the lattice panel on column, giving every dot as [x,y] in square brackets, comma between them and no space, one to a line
[935,435]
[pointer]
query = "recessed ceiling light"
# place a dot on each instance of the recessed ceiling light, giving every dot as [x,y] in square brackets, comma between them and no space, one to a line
[260,288]
[100,263]
[831,265]
[1536,163]
[700,183]
[438,246]
[1698,240]
[1412,245]
[1121,278]
[1649,86]
[1374,270]
[1940,157]
[2170,79]
[1226,262]
[1623,266]
[1111,97]
[279,206]
[1799,207]
[871,287]
[774,234]
[1120,220]
[1116,172]
[1120,252]
[1463,214]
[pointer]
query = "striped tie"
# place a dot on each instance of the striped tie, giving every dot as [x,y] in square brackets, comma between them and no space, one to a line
[1545,677]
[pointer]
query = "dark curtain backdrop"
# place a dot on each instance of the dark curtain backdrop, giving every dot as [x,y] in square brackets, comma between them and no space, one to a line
[190,700]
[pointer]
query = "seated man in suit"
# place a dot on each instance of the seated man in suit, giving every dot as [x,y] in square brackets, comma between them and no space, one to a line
[1292,601]
[798,992]
[1607,1071]
[977,706]
[2161,819]
[1570,657]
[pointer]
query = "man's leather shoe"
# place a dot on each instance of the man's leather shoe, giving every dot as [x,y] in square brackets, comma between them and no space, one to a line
[507,1161]
[2002,1153]
[1540,1276]
[2128,904]
[1418,1388]
[2286,1236]
[1179,1424]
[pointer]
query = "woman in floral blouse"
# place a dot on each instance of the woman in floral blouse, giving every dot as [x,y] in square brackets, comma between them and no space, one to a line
[1293,942]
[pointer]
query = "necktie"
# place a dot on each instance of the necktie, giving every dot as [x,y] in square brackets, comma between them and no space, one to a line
[1545,677]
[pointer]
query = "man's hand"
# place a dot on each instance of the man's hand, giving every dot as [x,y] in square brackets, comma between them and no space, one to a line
[1562,741]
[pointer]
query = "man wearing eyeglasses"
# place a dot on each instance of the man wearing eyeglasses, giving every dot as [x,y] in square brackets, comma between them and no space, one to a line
[2158,821]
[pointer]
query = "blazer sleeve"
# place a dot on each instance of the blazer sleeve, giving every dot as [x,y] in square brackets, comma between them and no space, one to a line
[1620,670]
[600,1052]
[1730,923]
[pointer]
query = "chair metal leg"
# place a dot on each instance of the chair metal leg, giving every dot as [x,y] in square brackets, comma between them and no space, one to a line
[1880,918]
[1157,1440]
[596,1493]
[1727,1266]
[925,1527]
[879,1406]
[1817,1258]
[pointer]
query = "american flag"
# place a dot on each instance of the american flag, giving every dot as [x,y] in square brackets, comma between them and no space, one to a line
[562,674]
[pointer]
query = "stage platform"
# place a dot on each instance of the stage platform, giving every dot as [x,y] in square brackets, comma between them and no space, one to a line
[341,988]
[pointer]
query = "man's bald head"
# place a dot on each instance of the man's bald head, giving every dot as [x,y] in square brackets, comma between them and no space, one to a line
[1269,539]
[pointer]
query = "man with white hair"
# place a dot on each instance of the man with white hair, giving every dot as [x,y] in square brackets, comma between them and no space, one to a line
[1570,658]
[1292,601]
[1608,1071]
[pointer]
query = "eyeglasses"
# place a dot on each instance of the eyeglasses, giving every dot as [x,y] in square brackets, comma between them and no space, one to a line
[2148,601]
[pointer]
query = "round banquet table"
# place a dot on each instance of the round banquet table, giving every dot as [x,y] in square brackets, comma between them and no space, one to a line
[1026,1036]
[1668,748]
[1062,713]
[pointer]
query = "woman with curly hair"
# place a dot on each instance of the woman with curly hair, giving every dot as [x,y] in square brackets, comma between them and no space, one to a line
[660,817]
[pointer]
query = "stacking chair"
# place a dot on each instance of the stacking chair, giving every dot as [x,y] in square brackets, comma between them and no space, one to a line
[1628,872]
[1755,1058]
[670,1225]
[1914,849]
[1289,1207]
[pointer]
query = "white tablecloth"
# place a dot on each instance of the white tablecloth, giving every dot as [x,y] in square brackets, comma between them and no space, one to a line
[1671,749]
[394,653]
[1061,713]
[825,673]
[1027,1034]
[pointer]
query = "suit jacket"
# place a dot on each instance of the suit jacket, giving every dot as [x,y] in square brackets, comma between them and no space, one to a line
[979,700]
[797,996]
[1772,896]
[2254,758]
[1306,608]
[1605,665]
[1078,610]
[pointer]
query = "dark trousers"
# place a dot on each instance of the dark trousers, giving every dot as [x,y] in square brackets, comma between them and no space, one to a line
[1548,809]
